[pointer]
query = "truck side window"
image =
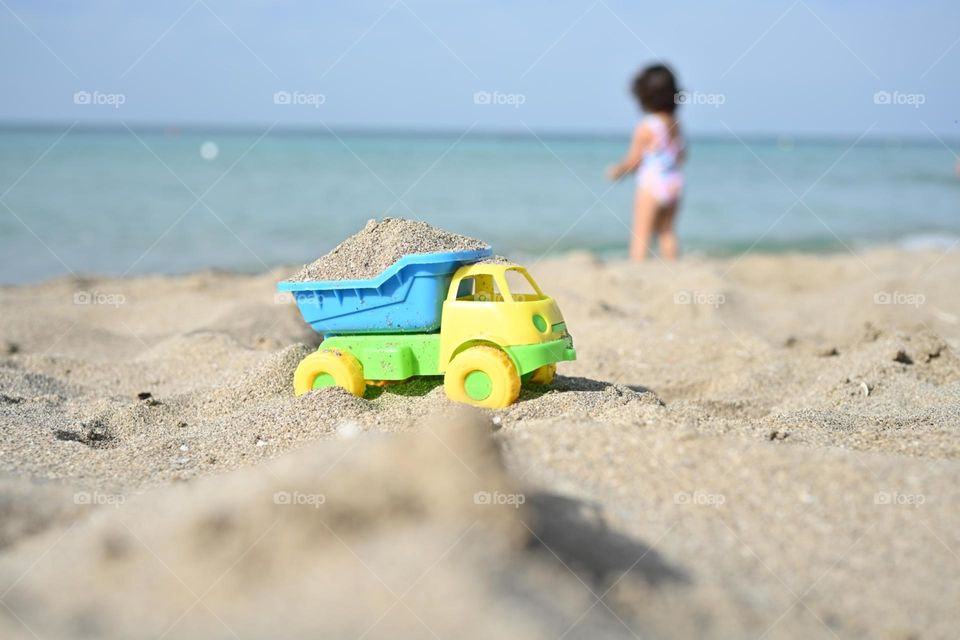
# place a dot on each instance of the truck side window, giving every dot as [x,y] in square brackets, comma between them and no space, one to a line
[466,288]
[481,288]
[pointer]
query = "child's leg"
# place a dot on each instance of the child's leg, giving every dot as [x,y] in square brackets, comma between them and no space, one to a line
[666,216]
[644,213]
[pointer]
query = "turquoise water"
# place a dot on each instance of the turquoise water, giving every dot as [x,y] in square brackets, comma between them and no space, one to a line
[108,202]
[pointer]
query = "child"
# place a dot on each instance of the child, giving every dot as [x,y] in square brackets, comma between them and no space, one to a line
[656,153]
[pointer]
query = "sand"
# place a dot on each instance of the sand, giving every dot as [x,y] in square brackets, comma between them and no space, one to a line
[760,447]
[380,244]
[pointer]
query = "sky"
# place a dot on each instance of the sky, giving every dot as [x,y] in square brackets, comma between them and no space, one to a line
[778,67]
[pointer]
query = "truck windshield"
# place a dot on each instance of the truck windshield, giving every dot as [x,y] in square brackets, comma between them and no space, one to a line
[518,286]
[521,286]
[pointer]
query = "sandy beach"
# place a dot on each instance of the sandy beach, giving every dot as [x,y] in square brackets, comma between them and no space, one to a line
[757,447]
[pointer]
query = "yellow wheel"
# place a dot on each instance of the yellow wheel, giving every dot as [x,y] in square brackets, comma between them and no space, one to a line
[482,376]
[329,368]
[544,375]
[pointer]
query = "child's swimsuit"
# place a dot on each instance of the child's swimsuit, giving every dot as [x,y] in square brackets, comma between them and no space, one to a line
[659,171]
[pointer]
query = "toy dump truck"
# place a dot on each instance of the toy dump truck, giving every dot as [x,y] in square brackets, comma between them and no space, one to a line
[482,324]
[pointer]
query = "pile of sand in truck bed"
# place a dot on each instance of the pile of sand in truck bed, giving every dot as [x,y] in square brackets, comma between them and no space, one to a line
[380,244]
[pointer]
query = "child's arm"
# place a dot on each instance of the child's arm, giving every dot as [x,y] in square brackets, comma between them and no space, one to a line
[638,144]
[682,157]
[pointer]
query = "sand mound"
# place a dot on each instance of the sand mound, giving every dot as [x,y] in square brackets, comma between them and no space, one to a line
[406,522]
[272,377]
[378,245]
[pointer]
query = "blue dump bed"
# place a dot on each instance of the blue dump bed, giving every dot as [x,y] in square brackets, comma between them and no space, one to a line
[406,297]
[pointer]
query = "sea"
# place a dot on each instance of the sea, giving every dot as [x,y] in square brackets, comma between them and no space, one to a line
[127,201]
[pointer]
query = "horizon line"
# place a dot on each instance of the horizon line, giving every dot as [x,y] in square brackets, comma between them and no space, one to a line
[442,132]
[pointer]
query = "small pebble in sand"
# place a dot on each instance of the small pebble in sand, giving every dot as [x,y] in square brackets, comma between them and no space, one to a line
[378,245]
[147,398]
[903,357]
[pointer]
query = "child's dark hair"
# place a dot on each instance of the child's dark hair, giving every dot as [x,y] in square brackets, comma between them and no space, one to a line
[656,89]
